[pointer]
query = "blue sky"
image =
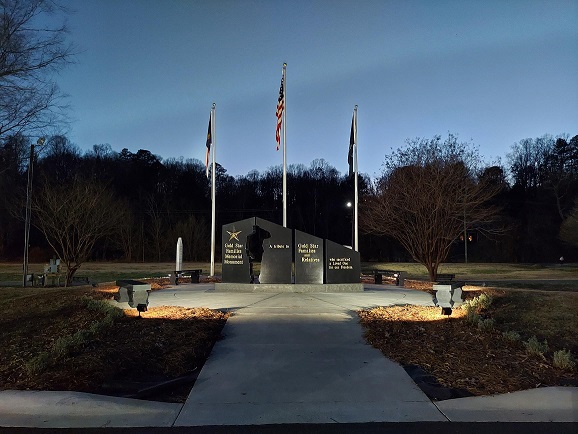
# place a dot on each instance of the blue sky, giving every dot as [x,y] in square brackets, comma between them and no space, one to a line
[148,71]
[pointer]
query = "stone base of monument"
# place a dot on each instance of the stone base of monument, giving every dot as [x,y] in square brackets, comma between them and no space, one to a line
[280,287]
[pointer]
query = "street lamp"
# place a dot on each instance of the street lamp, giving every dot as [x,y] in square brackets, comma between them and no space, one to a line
[39,142]
[349,206]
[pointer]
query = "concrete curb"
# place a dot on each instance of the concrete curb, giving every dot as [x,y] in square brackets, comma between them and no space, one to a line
[44,409]
[545,404]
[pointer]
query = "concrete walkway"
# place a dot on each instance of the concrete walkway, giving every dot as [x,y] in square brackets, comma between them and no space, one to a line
[285,359]
[301,358]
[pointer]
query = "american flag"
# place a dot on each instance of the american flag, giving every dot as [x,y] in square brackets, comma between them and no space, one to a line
[209,143]
[280,108]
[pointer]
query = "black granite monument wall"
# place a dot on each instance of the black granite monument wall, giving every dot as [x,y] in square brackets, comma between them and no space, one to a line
[236,264]
[342,264]
[308,258]
[317,261]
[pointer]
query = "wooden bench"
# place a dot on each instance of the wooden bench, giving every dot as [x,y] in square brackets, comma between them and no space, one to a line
[445,277]
[177,275]
[80,279]
[50,279]
[397,275]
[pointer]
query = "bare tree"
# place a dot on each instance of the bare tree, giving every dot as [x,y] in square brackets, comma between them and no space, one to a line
[196,237]
[569,228]
[156,224]
[126,230]
[73,218]
[560,173]
[427,192]
[526,158]
[30,51]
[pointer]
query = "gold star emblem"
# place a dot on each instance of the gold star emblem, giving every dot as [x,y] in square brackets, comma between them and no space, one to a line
[234,235]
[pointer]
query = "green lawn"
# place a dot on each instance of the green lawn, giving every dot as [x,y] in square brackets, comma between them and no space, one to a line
[110,271]
[493,271]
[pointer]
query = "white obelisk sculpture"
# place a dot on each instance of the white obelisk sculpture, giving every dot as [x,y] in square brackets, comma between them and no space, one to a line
[179,264]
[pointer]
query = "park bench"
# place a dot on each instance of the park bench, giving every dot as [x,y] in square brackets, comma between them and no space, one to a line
[80,279]
[378,276]
[133,292]
[56,279]
[192,274]
[50,279]
[443,278]
[52,274]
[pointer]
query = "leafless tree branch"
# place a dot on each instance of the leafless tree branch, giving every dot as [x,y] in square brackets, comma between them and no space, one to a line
[73,218]
[424,196]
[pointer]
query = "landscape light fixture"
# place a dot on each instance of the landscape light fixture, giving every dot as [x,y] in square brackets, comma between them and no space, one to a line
[141,308]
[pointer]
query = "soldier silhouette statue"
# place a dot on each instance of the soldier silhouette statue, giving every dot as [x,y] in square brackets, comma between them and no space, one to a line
[254,247]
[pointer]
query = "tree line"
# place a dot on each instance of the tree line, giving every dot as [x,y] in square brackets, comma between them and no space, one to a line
[153,201]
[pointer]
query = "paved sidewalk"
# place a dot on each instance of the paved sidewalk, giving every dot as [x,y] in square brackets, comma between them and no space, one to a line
[289,359]
[301,358]
[290,318]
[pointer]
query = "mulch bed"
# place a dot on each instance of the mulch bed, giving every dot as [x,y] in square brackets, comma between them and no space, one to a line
[166,348]
[457,354]
[166,344]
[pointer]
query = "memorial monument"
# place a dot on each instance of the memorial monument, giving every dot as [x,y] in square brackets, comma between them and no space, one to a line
[290,260]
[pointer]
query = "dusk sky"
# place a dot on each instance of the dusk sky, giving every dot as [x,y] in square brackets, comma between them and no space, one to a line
[491,71]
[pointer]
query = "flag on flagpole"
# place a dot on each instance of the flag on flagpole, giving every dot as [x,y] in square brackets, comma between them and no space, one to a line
[209,143]
[280,108]
[351,144]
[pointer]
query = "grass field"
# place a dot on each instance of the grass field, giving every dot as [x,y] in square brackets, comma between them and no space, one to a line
[485,271]
[108,271]
[111,271]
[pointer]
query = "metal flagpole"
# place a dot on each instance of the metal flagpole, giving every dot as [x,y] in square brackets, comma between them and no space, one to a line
[355,214]
[285,146]
[213,188]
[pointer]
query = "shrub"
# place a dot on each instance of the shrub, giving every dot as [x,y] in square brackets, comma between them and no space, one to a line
[469,305]
[563,360]
[472,317]
[97,326]
[65,345]
[473,308]
[486,324]
[533,346]
[102,306]
[479,303]
[484,301]
[513,336]
[38,363]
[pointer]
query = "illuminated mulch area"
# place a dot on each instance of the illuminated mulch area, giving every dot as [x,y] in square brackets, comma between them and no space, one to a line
[456,353]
